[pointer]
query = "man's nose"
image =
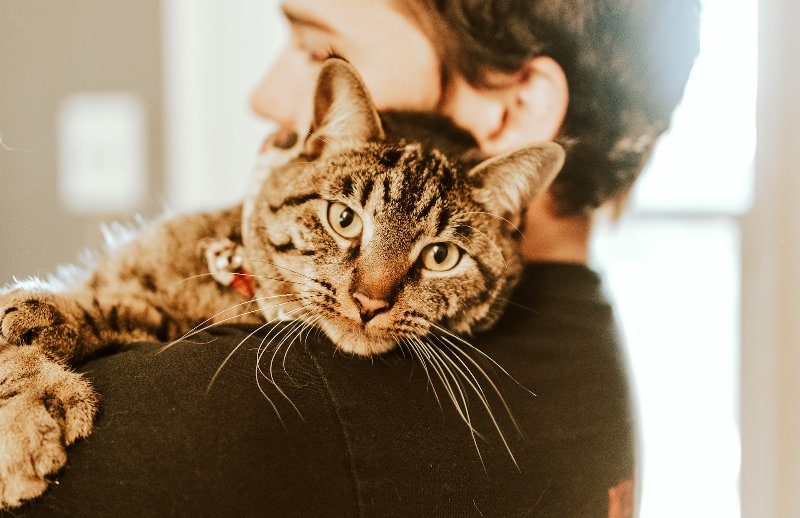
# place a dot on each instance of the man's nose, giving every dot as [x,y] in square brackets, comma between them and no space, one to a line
[284,94]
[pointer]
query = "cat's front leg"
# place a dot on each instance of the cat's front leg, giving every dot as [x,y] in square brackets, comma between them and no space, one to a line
[40,318]
[43,409]
[75,325]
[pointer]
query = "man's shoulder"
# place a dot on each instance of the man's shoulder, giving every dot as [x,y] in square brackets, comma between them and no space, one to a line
[558,301]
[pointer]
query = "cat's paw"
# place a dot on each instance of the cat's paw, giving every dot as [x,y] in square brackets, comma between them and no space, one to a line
[38,318]
[43,409]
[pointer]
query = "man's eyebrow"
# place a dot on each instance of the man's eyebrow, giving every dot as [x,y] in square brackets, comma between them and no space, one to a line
[304,20]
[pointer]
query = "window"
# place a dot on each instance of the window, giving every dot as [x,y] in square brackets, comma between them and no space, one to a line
[674,269]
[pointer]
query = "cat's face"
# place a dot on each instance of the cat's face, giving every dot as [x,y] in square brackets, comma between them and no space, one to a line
[386,242]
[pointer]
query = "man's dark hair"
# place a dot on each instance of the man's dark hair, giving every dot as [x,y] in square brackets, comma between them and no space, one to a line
[626,63]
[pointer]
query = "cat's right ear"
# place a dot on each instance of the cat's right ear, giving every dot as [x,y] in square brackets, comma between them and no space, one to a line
[510,181]
[344,113]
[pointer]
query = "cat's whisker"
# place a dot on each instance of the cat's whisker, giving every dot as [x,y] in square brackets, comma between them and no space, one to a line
[402,348]
[266,341]
[262,347]
[445,360]
[239,274]
[307,326]
[302,275]
[199,328]
[226,310]
[272,404]
[482,397]
[193,342]
[424,356]
[475,384]
[423,360]
[262,350]
[453,347]
[414,353]
[286,330]
[280,391]
[463,411]
[458,354]
[501,218]
[230,355]
[489,358]
[442,370]
[517,305]
[192,277]
[263,392]
[491,243]
[259,353]
[294,328]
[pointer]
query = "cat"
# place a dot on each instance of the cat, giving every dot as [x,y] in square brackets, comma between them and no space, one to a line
[377,236]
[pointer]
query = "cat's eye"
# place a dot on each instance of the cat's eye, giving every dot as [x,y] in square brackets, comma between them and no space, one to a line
[344,220]
[440,257]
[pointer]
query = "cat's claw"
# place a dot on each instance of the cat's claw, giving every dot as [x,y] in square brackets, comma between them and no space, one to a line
[43,409]
[28,318]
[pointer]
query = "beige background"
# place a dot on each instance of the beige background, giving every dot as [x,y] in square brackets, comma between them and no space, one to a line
[48,51]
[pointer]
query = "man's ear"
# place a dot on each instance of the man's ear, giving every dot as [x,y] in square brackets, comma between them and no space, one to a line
[518,109]
[510,181]
[344,113]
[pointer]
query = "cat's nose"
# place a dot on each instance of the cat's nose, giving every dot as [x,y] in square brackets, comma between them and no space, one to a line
[369,307]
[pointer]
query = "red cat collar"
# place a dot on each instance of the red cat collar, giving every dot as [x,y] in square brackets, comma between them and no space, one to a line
[243,283]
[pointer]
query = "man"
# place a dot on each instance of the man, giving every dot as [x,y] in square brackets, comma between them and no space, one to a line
[602,77]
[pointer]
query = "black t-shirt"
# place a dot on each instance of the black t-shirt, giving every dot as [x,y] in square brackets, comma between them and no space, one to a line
[367,436]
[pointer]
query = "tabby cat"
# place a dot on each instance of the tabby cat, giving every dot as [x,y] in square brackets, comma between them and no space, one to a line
[375,236]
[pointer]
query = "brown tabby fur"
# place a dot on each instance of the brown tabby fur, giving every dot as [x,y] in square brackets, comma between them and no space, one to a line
[157,287]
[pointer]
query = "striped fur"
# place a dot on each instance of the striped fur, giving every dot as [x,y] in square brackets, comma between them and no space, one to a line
[407,197]
[407,193]
[368,292]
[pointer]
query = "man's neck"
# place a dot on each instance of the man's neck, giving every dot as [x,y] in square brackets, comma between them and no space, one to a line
[552,238]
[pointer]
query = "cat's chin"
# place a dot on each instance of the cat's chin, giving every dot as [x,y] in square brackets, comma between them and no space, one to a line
[357,340]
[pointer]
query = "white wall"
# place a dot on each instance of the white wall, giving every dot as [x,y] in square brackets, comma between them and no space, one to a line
[214,54]
[771,345]
[53,54]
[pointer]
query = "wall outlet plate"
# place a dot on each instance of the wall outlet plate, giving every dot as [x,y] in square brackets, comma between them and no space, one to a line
[101,148]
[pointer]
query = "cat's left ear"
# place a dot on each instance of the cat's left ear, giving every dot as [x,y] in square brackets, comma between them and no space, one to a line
[344,113]
[510,181]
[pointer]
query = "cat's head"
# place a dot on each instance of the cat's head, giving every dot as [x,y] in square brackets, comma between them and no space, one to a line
[384,241]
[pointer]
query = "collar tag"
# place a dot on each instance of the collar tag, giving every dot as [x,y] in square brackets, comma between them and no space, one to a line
[226,265]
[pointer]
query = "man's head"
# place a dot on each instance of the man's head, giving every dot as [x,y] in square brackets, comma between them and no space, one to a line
[603,76]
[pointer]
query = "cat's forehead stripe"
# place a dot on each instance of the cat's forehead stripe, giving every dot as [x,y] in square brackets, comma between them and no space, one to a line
[295,200]
[387,191]
[416,183]
[347,186]
[443,220]
[423,209]
[366,190]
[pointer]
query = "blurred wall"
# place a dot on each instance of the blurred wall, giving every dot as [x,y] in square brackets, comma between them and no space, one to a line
[771,291]
[51,50]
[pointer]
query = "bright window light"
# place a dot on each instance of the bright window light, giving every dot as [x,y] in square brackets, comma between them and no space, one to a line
[673,266]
